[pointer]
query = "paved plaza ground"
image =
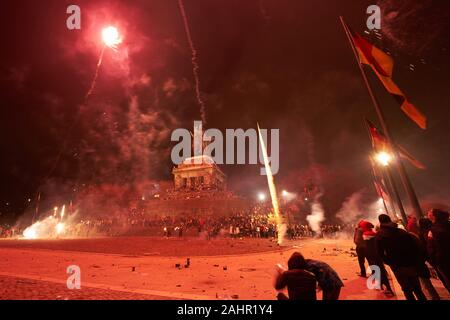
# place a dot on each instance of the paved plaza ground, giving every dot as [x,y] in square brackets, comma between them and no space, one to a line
[144,268]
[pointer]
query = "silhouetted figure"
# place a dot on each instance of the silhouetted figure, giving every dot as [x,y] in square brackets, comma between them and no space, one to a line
[360,248]
[398,249]
[372,255]
[438,244]
[327,278]
[300,283]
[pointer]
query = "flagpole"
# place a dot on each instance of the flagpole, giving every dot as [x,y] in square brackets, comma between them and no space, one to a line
[392,187]
[401,169]
[384,200]
[387,175]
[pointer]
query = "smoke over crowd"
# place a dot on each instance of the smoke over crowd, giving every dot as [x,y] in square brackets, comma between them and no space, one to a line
[116,145]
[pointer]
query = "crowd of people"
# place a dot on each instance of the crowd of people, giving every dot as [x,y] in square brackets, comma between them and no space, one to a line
[410,254]
[414,253]
[407,252]
[254,224]
[8,231]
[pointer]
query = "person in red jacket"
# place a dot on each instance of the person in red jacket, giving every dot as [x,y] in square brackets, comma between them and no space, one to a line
[360,248]
[372,255]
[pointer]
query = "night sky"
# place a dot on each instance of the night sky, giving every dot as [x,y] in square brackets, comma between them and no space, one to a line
[283,63]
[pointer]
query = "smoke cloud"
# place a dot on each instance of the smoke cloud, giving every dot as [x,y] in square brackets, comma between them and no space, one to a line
[361,205]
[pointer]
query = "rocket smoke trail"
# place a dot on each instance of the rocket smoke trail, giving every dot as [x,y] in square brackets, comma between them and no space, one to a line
[281,227]
[317,215]
[195,66]
[94,80]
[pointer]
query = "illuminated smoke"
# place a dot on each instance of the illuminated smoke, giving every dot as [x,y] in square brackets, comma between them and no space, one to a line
[195,65]
[317,216]
[47,228]
[361,205]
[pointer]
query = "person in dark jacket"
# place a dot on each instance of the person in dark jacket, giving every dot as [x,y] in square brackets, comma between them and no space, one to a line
[438,244]
[424,228]
[373,258]
[301,284]
[327,279]
[423,271]
[360,248]
[398,249]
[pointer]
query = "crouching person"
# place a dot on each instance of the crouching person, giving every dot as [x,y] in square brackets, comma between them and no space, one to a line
[300,283]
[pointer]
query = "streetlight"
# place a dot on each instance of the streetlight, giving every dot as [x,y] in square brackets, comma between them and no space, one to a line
[261,196]
[383,158]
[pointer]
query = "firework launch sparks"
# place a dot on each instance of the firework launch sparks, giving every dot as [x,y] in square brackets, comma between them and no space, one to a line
[50,227]
[281,228]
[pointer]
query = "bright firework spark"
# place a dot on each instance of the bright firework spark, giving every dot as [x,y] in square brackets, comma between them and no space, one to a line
[273,191]
[60,228]
[47,228]
[195,66]
[63,211]
[111,39]
[30,232]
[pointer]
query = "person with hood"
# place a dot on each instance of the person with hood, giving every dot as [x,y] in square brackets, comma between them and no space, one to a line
[360,248]
[327,279]
[438,244]
[372,255]
[301,284]
[399,249]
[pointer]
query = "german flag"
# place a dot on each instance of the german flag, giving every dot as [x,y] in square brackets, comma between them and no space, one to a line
[383,64]
[371,55]
[380,143]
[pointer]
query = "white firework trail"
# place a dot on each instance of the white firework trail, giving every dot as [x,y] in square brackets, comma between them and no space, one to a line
[195,65]
[94,80]
[281,227]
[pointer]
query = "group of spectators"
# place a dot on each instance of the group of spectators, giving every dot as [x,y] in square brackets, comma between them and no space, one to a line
[407,252]
[254,224]
[8,231]
[196,193]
